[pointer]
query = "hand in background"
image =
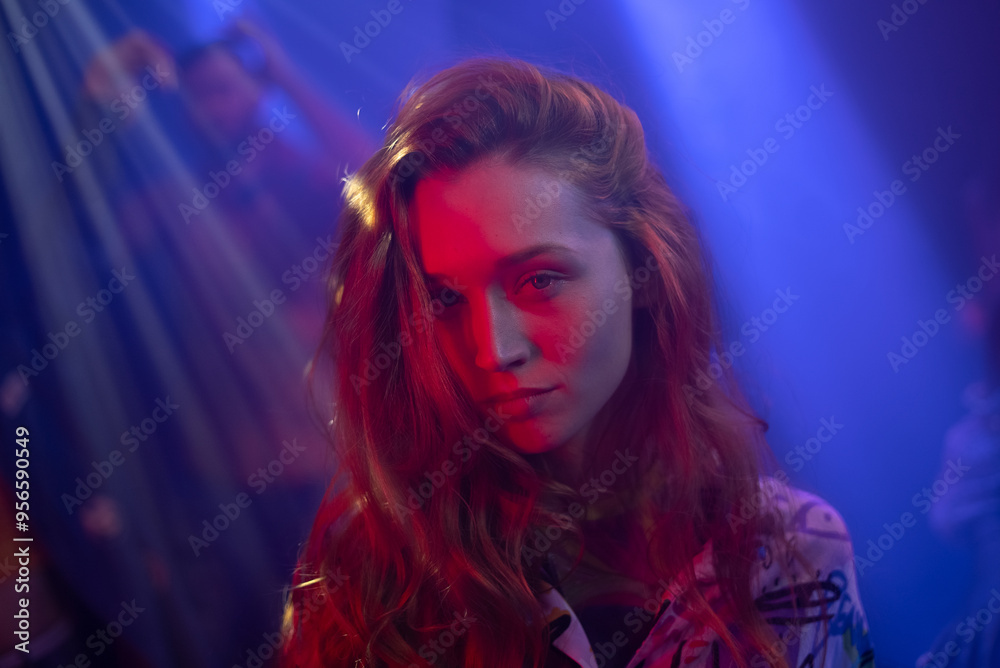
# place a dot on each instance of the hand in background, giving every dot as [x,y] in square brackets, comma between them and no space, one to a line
[123,64]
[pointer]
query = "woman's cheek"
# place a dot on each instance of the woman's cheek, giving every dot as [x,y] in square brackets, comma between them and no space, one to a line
[622,287]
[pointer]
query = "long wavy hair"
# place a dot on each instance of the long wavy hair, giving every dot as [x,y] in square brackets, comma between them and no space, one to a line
[430,519]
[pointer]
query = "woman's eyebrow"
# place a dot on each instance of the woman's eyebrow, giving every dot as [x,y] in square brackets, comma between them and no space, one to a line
[521,256]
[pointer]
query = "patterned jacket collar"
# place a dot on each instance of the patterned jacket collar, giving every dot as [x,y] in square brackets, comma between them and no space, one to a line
[567,632]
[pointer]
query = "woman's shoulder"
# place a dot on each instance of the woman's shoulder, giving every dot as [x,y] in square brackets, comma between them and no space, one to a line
[811,575]
[796,517]
[803,583]
[810,523]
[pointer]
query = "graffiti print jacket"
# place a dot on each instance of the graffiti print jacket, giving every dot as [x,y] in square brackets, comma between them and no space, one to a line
[661,633]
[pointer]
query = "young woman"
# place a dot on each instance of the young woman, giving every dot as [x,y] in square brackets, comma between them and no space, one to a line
[542,464]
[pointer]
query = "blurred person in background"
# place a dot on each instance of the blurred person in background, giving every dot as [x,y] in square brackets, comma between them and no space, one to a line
[968,513]
[252,213]
[223,179]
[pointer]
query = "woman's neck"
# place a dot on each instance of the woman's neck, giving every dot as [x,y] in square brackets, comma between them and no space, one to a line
[576,462]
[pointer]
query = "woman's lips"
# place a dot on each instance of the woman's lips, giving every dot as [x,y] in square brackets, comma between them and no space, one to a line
[523,407]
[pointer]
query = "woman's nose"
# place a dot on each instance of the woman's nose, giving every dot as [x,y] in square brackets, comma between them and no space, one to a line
[498,337]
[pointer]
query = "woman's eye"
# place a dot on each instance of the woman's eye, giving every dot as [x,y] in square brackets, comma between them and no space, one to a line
[446,296]
[542,282]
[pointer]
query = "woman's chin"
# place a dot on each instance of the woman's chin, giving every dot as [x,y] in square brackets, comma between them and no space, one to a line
[530,440]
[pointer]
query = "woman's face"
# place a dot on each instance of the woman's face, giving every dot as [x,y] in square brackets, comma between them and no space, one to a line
[536,296]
